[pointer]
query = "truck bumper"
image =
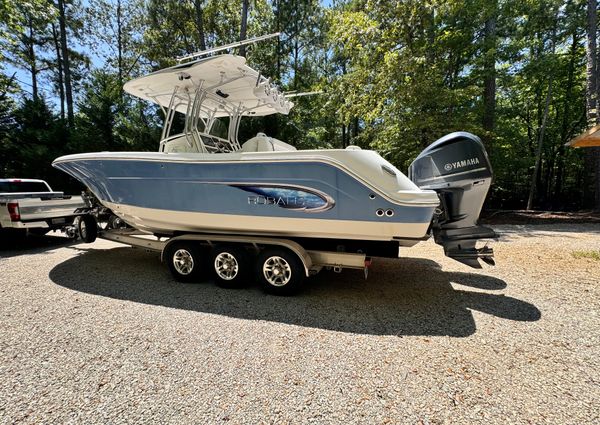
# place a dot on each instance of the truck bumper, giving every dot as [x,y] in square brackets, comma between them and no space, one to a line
[51,223]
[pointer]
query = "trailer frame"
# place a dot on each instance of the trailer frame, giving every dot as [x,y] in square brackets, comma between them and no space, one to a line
[312,260]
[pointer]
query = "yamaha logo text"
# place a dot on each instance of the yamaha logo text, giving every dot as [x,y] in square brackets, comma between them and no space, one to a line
[461,164]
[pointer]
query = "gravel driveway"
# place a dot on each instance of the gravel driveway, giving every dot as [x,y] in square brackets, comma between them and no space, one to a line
[100,333]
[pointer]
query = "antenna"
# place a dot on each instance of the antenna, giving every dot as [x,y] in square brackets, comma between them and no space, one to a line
[227,46]
[307,93]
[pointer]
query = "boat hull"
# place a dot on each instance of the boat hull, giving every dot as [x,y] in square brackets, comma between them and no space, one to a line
[168,221]
[301,198]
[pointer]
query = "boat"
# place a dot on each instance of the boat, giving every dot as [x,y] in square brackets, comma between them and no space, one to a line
[204,180]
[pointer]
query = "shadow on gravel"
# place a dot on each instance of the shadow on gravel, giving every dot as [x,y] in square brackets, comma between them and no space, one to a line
[32,244]
[561,230]
[407,297]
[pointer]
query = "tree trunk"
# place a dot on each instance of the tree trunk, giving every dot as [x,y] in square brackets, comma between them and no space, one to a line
[66,66]
[200,24]
[296,59]
[564,133]
[296,54]
[244,26]
[538,155]
[592,68]
[596,156]
[278,52]
[592,160]
[32,60]
[540,145]
[489,71]
[61,87]
[120,46]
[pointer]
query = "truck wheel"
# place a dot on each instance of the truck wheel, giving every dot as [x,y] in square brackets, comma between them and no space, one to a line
[280,271]
[185,260]
[230,266]
[87,228]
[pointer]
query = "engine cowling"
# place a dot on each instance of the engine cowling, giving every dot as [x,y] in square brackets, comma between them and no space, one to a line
[457,167]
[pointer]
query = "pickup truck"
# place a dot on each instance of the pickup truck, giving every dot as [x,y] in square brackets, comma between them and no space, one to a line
[29,205]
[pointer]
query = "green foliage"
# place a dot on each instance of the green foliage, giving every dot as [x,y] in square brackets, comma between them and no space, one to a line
[593,255]
[109,121]
[395,76]
[30,141]
[413,71]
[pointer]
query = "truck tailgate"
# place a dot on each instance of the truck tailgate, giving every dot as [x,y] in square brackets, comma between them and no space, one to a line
[22,195]
[42,208]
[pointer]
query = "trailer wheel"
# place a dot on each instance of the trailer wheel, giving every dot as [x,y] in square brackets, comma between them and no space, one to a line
[87,228]
[184,260]
[230,266]
[280,271]
[115,222]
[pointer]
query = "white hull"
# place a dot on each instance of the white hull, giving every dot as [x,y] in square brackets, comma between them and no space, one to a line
[166,221]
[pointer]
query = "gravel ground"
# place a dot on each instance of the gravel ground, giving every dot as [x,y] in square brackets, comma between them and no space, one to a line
[100,333]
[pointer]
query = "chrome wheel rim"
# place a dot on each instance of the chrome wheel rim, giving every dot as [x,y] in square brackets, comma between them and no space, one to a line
[183,262]
[226,266]
[277,271]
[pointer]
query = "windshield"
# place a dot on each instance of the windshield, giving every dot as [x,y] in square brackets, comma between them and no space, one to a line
[220,127]
[18,187]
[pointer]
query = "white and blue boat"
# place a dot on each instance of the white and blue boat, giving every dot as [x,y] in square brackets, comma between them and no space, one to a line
[203,179]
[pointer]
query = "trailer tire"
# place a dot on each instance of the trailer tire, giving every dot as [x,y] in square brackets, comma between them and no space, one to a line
[230,266]
[115,222]
[280,271]
[185,261]
[87,228]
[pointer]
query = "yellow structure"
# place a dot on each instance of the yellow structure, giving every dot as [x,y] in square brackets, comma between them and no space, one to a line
[588,139]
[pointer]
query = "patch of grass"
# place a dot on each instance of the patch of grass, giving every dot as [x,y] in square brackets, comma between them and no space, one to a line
[594,255]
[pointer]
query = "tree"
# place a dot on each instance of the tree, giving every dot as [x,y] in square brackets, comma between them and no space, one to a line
[396,76]
[114,30]
[27,36]
[489,71]
[244,25]
[592,154]
[66,63]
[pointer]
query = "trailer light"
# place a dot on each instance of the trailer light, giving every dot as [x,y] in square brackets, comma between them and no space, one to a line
[13,211]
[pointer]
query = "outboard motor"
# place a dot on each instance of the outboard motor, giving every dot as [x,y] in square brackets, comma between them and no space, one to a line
[458,169]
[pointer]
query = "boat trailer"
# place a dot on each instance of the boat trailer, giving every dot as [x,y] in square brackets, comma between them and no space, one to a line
[279,264]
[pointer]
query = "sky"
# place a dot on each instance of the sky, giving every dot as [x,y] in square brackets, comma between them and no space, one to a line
[45,86]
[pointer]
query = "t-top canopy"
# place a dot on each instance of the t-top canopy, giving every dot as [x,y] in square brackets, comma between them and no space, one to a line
[224,83]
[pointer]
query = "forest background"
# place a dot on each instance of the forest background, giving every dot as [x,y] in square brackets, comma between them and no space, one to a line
[395,76]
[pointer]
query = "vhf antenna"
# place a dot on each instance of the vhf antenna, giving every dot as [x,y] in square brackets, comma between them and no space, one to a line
[227,46]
